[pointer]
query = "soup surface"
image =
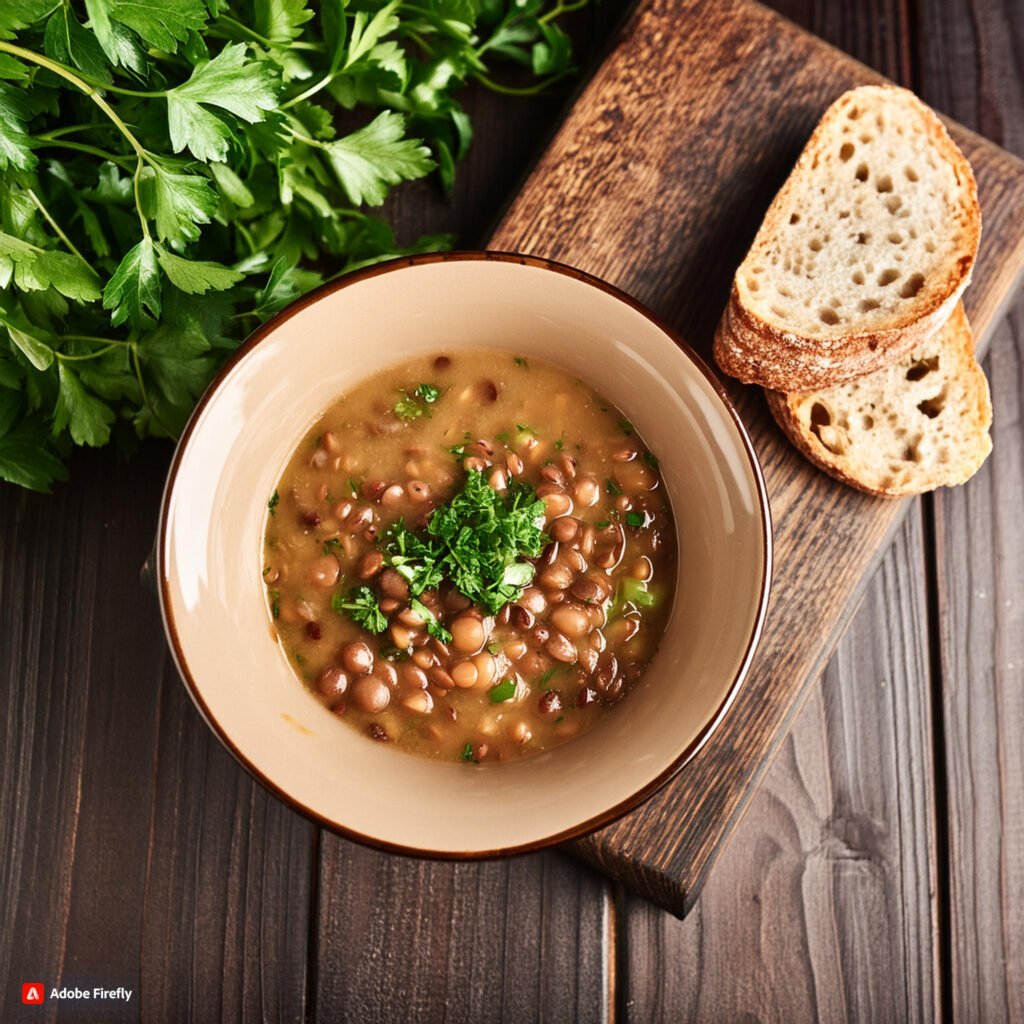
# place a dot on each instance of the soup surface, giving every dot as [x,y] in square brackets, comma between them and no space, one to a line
[471,557]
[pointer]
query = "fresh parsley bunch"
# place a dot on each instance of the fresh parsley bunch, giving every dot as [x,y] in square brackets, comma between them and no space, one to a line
[174,172]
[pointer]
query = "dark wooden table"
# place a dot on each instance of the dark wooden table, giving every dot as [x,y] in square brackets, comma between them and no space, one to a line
[877,876]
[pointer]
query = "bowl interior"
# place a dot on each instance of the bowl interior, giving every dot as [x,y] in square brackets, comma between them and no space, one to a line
[232,457]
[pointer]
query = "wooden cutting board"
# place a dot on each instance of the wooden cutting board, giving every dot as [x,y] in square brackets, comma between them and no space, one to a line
[657,182]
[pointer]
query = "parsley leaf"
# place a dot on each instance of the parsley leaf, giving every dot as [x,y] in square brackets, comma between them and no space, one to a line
[504,691]
[197,277]
[26,458]
[67,41]
[87,417]
[280,21]
[161,23]
[133,293]
[478,541]
[181,202]
[245,88]
[467,752]
[376,156]
[631,592]
[434,628]
[636,519]
[275,499]
[361,605]
[15,148]
[407,408]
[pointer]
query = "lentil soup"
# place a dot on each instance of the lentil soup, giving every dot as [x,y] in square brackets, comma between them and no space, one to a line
[471,557]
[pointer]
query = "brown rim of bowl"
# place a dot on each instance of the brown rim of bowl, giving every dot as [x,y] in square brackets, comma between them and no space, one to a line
[598,820]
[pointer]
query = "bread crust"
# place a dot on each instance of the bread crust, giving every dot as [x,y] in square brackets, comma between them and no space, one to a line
[978,419]
[757,351]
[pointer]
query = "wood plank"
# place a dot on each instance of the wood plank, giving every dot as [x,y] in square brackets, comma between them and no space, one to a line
[228,898]
[823,905]
[410,941]
[980,572]
[67,779]
[735,99]
[981,591]
[136,852]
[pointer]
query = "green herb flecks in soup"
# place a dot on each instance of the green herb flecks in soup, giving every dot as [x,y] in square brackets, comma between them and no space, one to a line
[471,557]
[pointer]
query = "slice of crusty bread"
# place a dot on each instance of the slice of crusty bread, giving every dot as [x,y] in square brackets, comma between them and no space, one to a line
[863,253]
[919,424]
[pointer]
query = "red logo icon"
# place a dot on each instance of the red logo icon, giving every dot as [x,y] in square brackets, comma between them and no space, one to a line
[32,992]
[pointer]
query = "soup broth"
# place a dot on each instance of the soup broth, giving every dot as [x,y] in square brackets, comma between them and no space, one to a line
[471,556]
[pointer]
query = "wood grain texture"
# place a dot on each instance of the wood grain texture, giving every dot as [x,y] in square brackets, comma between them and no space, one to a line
[404,941]
[824,905]
[136,852]
[733,104]
[980,569]
[980,572]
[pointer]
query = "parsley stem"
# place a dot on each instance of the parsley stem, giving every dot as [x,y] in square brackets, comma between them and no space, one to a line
[559,9]
[58,133]
[312,90]
[65,358]
[95,339]
[138,198]
[53,224]
[68,75]
[245,31]
[142,390]
[82,147]
[529,90]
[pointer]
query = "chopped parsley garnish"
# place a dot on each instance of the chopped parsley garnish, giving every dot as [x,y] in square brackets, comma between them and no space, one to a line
[604,524]
[434,628]
[275,603]
[631,592]
[525,428]
[559,445]
[478,541]
[505,690]
[467,752]
[275,499]
[331,545]
[520,361]
[266,569]
[502,437]
[612,487]
[544,682]
[651,459]
[494,647]
[626,427]
[361,605]
[408,408]
[637,519]
[354,483]
[412,406]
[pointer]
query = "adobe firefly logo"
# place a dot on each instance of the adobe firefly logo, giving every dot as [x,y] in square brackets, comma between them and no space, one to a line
[32,993]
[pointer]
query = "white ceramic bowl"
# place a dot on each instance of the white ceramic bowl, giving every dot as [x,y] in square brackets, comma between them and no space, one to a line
[264,401]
